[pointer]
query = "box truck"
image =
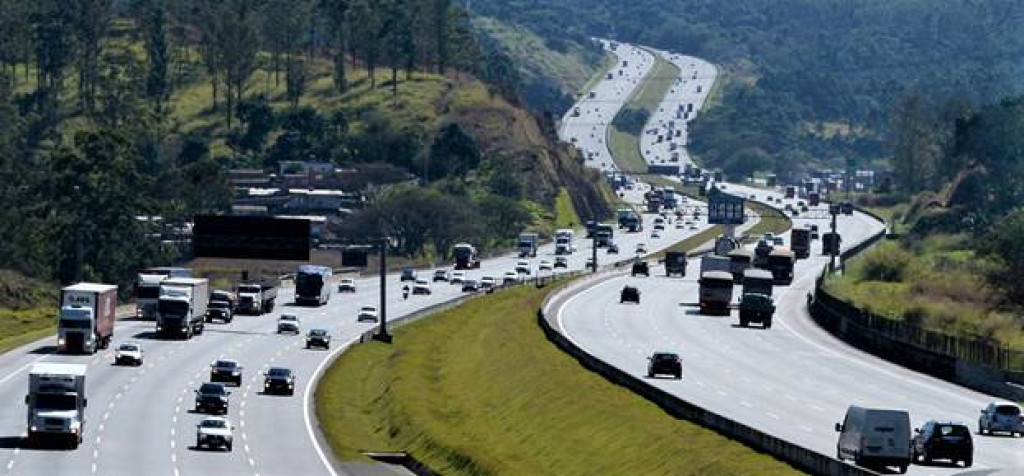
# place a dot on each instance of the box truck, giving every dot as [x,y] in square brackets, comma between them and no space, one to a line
[86,320]
[56,403]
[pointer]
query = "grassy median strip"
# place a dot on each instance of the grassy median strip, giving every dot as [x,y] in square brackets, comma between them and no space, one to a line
[479,390]
[772,220]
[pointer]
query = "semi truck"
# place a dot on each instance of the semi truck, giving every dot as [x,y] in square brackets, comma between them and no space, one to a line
[466,256]
[830,243]
[634,224]
[605,235]
[756,304]
[313,285]
[86,320]
[563,241]
[780,263]
[182,307]
[800,239]
[147,288]
[256,297]
[790,191]
[715,292]
[527,245]
[56,403]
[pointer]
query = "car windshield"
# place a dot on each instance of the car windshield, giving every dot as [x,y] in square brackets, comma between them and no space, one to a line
[665,357]
[75,324]
[214,424]
[128,347]
[212,389]
[369,309]
[953,430]
[289,318]
[219,305]
[1011,410]
[49,401]
[225,364]
[278,372]
[317,332]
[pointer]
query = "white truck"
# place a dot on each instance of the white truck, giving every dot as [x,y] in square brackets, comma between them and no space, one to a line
[86,319]
[56,403]
[182,307]
[147,288]
[563,241]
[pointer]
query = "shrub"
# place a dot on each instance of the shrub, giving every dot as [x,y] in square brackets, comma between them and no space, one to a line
[887,263]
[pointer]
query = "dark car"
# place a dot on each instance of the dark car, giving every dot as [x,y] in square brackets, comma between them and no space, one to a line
[630,294]
[441,275]
[212,398]
[318,338]
[665,363]
[641,267]
[279,380]
[408,274]
[226,371]
[470,286]
[561,262]
[943,440]
[613,249]
[219,310]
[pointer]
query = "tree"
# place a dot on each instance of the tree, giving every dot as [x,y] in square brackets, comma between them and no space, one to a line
[453,153]
[442,10]
[1003,245]
[336,12]
[90,18]
[367,32]
[236,47]
[154,26]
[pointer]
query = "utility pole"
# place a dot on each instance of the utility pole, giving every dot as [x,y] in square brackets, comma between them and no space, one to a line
[834,211]
[382,332]
[593,248]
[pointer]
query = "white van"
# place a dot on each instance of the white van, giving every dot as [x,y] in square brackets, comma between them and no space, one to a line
[875,438]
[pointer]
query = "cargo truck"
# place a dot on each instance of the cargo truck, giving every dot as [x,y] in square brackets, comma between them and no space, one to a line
[56,403]
[563,241]
[313,285]
[605,235]
[800,239]
[830,243]
[182,307]
[715,282]
[780,263]
[675,263]
[466,256]
[86,320]
[256,297]
[147,288]
[790,191]
[527,245]
[756,304]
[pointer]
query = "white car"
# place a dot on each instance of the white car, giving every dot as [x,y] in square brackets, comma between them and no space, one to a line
[214,432]
[347,285]
[457,277]
[545,265]
[422,286]
[488,282]
[641,248]
[128,353]
[288,323]
[510,277]
[367,313]
[523,267]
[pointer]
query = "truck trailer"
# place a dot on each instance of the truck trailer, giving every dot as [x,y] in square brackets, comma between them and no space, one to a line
[466,256]
[182,307]
[256,297]
[800,239]
[147,288]
[86,320]
[563,241]
[527,245]
[313,285]
[56,403]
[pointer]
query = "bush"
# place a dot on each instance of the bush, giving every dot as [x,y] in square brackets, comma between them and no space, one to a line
[887,263]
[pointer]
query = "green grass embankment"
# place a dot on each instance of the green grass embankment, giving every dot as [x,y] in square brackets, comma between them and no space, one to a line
[625,147]
[27,311]
[479,390]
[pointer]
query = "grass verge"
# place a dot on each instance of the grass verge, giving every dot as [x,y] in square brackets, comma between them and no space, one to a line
[478,390]
[565,213]
[18,328]
[625,147]
[772,221]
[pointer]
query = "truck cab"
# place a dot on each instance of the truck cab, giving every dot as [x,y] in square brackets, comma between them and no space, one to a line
[56,402]
[527,245]
[182,307]
[86,320]
[756,304]
[466,256]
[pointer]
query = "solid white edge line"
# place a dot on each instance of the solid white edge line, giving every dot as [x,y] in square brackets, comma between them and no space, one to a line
[308,399]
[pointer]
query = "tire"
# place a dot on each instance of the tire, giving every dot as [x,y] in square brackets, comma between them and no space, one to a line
[230,447]
[743,323]
[969,462]
[768,324]
[903,469]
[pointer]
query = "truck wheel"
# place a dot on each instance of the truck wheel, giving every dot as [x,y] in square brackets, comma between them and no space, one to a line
[743,322]
[768,324]
[968,462]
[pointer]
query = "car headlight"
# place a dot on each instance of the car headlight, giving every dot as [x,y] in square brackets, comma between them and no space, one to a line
[33,428]
[266,384]
[60,341]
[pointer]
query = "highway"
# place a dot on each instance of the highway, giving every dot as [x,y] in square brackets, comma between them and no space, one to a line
[588,130]
[140,420]
[794,381]
[666,135]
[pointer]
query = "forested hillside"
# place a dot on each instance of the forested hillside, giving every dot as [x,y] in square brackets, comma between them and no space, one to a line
[111,110]
[805,78]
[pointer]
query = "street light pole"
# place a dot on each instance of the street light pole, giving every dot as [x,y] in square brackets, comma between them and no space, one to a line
[382,331]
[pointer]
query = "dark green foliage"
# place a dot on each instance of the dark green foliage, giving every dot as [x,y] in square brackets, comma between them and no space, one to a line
[453,153]
[1003,245]
[259,121]
[631,120]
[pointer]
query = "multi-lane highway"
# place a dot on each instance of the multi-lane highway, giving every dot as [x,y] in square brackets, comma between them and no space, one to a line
[140,420]
[666,135]
[794,381]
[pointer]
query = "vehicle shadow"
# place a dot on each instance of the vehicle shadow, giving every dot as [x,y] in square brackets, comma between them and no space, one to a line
[938,464]
[207,449]
[146,335]
[753,327]
[12,442]
[45,349]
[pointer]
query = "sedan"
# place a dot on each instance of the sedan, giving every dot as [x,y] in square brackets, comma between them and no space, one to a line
[128,353]
[470,286]
[318,338]
[545,265]
[488,282]
[226,370]
[457,277]
[367,313]
[641,248]
[441,275]
[288,323]
[214,432]
[510,277]
[665,363]
[347,285]
[421,287]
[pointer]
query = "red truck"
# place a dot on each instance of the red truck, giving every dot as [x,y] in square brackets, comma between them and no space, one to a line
[86,320]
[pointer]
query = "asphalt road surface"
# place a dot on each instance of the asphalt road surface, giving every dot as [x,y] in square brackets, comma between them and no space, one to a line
[666,135]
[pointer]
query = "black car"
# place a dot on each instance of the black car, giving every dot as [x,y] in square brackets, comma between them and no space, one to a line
[212,398]
[318,338]
[470,286]
[630,294]
[641,267]
[279,380]
[665,363]
[219,310]
[613,249]
[408,274]
[226,371]
[943,440]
